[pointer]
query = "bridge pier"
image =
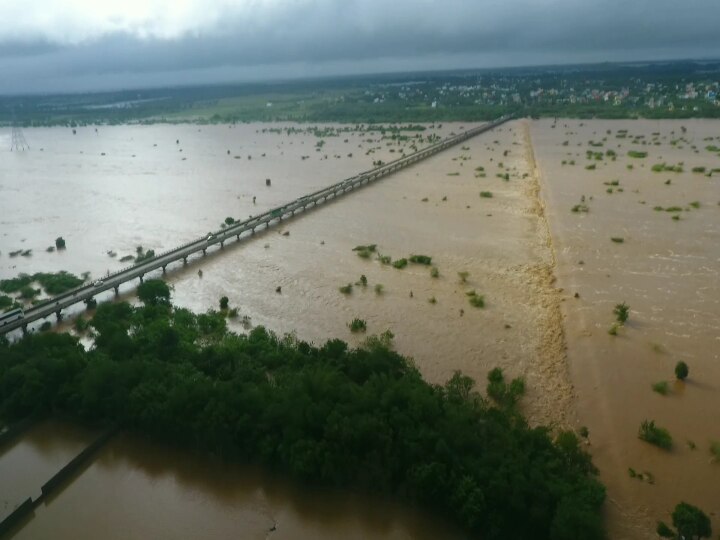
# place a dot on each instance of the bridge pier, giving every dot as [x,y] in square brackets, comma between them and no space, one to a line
[117,290]
[141,278]
[24,329]
[204,251]
[184,261]
[163,268]
[238,237]
[58,314]
[222,244]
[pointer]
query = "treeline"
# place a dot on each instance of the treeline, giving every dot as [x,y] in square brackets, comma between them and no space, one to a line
[361,418]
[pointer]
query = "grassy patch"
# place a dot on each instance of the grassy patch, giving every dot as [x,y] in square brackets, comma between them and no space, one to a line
[662,388]
[357,325]
[486,194]
[617,239]
[421,259]
[637,154]
[346,289]
[400,263]
[656,435]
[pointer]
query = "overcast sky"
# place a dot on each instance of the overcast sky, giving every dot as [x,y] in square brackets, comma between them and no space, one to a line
[79,45]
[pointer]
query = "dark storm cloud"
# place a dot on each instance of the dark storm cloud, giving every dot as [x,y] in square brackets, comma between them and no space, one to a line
[393,34]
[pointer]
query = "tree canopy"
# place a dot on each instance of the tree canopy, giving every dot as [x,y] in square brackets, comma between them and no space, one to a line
[361,418]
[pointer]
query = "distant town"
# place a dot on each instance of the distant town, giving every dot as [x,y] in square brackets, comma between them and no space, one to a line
[651,90]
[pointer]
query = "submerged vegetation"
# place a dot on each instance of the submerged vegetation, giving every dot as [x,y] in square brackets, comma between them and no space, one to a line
[330,415]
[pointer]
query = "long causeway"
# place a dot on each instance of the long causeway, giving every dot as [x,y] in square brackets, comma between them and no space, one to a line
[239,230]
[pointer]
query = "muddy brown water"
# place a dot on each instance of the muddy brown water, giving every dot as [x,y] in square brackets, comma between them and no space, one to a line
[29,460]
[668,272]
[134,489]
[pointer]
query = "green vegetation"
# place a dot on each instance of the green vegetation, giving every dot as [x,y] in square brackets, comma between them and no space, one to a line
[664,167]
[613,331]
[52,284]
[617,239]
[329,415]
[653,434]
[364,252]
[580,208]
[400,263]
[44,327]
[691,522]
[715,451]
[700,170]
[621,312]
[486,194]
[224,302]
[60,242]
[379,288]
[463,276]
[662,388]
[421,259]
[346,289]
[475,299]
[663,531]
[357,325]
[229,220]
[591,167]
[362,281]
[681,370]
[432,300]
[434,272]
[637,154]
[695,204]
[155,292]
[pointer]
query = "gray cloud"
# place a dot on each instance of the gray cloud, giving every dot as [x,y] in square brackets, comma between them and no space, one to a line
[318,37]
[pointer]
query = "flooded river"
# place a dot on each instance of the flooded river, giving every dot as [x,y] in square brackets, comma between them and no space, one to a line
[667,269]
[134,489]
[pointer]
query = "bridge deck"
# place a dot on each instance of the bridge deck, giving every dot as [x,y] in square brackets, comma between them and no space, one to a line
[239,229]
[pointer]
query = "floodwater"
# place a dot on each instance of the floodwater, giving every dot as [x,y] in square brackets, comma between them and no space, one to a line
[158,197]
[668,272]
[134,489]
[29,460]
[157,200]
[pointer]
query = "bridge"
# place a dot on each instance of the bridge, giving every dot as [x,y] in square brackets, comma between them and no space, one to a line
[238,230]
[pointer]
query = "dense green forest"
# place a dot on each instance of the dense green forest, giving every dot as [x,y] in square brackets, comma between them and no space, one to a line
[359,418]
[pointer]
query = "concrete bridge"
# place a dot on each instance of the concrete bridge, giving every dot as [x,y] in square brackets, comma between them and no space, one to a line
[238,230]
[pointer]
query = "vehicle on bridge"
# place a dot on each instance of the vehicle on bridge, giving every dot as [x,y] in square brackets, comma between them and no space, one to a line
[11,316]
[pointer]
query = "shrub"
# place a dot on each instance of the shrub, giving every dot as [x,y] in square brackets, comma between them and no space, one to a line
[681,370]
[613,330]
[486,194]
[653,434]
[224,301]
[463,276]
[636,154]
[60,242]
[432,300]
[434,272]
[622,312]
[44,327]
[661,387]
[421,259]
[357,325]
[505,395]
[229,220]
[154,292]
[400,263]
[81,324]
[617,239]
[385,259]
[691,522]
[363,281]
[233,313]
[346,289]
[715,450]
[379,288]
[475,299]
[584,432]
[664,531]
[580,208]
[695,204]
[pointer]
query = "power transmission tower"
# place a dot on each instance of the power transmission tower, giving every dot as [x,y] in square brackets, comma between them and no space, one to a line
[18,140]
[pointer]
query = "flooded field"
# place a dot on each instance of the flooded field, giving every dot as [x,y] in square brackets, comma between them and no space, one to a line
[473,209]
[138,490]
[639,228]
[499,240]
[667,269]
